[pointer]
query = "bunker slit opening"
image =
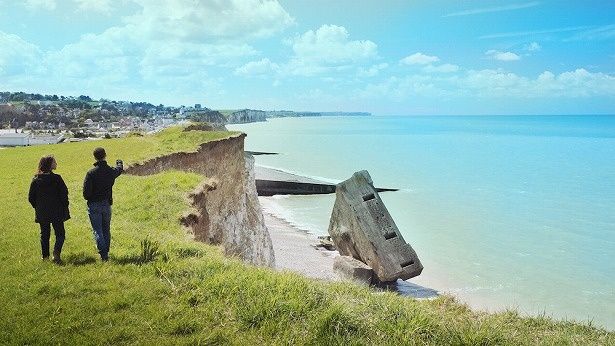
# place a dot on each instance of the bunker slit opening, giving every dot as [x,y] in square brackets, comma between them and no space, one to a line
[407,264]
[368,197]
[390,235]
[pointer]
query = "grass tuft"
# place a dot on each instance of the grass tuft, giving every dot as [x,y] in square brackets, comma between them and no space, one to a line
[149,250]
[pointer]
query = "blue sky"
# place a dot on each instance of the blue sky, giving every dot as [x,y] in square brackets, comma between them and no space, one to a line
[386,57]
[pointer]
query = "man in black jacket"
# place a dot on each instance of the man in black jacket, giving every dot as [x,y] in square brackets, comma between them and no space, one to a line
[98,191]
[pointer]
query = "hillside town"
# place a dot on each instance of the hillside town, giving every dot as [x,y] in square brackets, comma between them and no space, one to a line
[30,119]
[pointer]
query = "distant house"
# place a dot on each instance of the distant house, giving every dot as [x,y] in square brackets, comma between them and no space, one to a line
[44,103]
[105,126]
[14,139]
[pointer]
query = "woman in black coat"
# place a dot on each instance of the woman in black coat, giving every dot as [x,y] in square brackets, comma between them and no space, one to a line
[49,198]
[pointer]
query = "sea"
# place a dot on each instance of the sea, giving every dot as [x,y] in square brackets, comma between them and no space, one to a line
[505,212]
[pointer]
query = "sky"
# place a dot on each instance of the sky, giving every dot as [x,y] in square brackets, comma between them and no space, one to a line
[386,57]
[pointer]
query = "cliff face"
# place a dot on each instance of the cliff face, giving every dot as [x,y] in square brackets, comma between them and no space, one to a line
[247,116]
[226,208]
[208,116]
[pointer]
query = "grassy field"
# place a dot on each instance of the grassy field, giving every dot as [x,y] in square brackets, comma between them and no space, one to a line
[187,292]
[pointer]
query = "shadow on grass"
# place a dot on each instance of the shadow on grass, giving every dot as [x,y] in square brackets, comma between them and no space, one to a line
[128,259]
[79,259]
[149,252]
[133,259]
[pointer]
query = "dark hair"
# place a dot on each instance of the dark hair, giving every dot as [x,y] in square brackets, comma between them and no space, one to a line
[99,154]
[45,164]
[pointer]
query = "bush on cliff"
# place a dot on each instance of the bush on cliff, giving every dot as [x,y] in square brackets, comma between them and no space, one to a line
[187,292]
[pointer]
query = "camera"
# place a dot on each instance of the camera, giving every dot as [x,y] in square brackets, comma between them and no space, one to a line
[119,163]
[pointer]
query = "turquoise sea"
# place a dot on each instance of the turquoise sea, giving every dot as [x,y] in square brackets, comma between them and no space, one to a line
[504,211]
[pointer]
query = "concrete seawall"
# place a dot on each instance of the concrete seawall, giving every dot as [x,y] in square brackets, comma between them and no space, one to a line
[271,182]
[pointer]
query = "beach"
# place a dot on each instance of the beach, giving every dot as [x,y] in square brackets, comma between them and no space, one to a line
[295,250]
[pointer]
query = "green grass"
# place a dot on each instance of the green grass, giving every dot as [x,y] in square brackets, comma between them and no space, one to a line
[160,287]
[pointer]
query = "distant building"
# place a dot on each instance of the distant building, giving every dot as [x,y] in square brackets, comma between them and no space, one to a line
[14,139]
[105,126]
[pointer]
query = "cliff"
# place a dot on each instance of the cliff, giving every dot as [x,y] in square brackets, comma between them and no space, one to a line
[207,115]
[226,208]
[251,115]
[246,116]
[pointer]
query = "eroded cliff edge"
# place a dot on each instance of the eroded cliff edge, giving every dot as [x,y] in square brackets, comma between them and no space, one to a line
[226,208]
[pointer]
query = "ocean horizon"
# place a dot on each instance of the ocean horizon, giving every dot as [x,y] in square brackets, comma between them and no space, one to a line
[504,211]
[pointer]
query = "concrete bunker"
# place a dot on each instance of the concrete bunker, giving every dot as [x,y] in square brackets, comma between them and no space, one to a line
[361,227]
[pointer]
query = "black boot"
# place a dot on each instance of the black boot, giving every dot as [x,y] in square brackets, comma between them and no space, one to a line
[56,257]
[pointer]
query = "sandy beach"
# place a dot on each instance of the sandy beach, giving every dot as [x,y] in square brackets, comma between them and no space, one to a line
[296,251]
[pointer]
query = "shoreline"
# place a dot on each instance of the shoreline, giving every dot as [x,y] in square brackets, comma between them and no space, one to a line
[295,250]
[468,248]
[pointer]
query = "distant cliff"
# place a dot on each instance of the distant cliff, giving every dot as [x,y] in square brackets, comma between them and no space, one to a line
[251,115]
[207,115]
[283,114]
[247,116]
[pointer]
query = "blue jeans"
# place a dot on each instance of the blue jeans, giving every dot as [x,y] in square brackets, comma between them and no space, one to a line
[100,218]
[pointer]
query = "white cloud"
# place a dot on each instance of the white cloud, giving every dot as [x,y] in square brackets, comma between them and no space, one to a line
[176,59]
[330,44]
[533,32]
[40,4]
[487,83]
[604,32]
[509,7]
[203,20]
[372,71]
[97,6]
[419,59]
[533,47]
[444,68]
[257,68]
[577,83]
[502,56]
[174,49]
[17,56]
[107,54]
[326,49]
[399,89]
[168,42]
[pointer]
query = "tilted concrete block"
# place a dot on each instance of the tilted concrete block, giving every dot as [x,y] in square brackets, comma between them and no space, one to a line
[362,227]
